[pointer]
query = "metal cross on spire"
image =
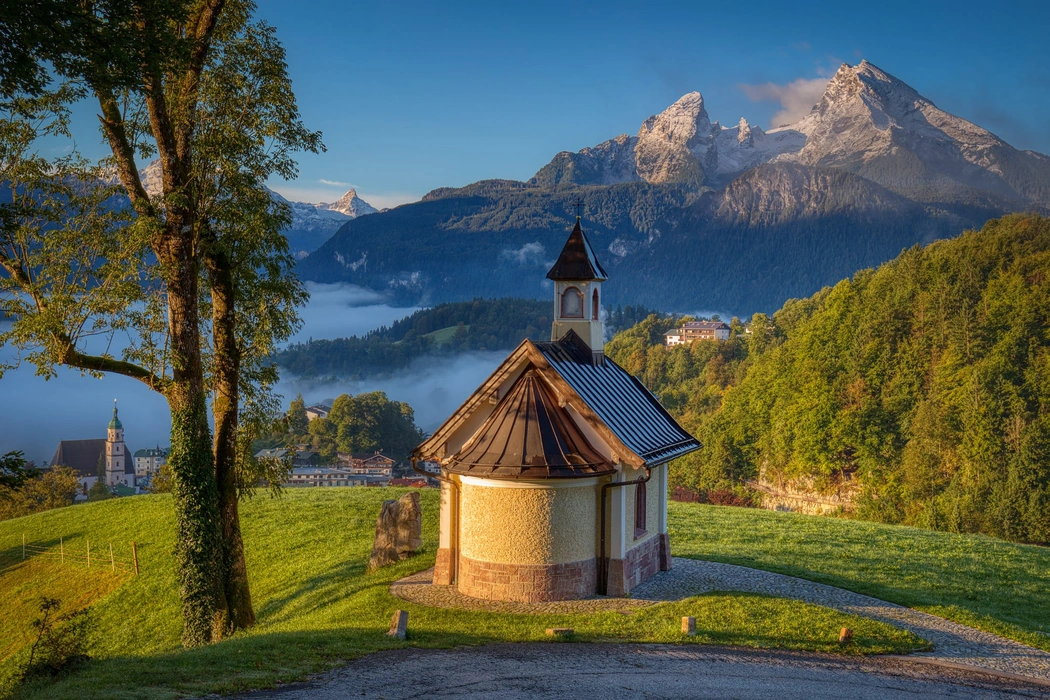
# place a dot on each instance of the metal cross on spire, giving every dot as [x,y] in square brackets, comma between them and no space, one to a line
[578,204]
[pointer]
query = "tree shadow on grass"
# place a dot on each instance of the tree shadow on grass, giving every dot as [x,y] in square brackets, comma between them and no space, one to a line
[337,584]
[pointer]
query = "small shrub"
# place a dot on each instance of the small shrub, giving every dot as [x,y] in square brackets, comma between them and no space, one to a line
[685,495]
[61,641]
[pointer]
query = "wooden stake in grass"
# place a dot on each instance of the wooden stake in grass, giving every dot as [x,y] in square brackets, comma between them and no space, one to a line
[112,563]
[23,546]
[845,636]
[89,552]
[135,557]
[689,626]
[61,552]
[399,625]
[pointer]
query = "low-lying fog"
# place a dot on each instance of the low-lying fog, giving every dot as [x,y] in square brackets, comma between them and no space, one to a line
[35,414]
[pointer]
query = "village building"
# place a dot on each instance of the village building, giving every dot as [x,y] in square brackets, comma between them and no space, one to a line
[376,463]
[324,476]
[98,458]
[149,461]
[692,331]
[554,471]
[317,411]
[416,483]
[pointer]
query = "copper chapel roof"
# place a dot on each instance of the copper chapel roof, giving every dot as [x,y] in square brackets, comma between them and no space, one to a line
[529,436]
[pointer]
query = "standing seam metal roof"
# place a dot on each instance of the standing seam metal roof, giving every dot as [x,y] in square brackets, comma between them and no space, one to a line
[622,402]
[528,436]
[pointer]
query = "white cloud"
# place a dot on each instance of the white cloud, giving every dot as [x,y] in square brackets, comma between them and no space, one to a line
[334,183]
[796,98]
[530,253]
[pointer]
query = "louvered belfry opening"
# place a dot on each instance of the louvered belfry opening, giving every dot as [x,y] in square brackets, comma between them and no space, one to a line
[529,436]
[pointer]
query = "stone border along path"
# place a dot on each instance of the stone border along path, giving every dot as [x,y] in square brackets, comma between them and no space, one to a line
[953,643]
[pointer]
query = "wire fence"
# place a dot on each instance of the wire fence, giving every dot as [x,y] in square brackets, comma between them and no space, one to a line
[101,557]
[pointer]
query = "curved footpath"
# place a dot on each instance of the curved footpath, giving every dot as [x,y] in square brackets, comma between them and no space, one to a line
[954,644]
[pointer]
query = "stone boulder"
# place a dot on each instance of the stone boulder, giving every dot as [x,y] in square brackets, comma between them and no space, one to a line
[399,531]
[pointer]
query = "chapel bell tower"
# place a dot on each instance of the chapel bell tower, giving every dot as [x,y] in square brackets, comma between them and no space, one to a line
[578,278]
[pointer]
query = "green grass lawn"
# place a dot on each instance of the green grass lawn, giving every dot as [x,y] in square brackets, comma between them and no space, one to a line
[316,606]
[987,583]
[444,335]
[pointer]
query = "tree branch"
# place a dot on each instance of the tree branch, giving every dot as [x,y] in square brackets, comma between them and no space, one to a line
[113,126]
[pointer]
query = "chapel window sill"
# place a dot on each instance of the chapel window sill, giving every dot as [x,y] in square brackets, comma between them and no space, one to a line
[639,534]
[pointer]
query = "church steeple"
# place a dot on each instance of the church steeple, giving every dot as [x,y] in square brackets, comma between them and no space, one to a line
[578,277]
[115,450]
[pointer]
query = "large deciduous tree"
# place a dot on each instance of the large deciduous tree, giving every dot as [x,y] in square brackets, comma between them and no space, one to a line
[191,270]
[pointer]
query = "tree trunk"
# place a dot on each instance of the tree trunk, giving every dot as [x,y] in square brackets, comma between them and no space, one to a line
[198,545]
[225,408]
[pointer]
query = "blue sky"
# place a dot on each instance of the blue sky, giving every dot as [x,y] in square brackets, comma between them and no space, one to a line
[415,95]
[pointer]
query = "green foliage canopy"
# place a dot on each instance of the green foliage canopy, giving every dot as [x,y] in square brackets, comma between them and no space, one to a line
[926,380]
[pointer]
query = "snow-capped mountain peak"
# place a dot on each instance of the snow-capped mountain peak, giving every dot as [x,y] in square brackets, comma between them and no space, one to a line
[351,205]
[312,224]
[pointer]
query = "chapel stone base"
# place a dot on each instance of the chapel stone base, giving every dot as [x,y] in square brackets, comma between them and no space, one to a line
[641,562]
[443,567]
[526,583]
[665,552]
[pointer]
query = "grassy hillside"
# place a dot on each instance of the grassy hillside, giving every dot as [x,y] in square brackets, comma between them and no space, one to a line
[316,606]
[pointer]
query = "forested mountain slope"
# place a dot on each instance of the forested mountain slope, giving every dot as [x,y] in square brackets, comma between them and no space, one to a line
[925,381]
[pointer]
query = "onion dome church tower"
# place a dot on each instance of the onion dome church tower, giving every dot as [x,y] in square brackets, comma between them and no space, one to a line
[554,471]
[116,451]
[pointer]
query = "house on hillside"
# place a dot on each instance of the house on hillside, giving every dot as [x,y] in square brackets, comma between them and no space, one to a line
[317,411]
[376,463]
[554,471]
[275,453]
[417,483]
[692,331]
[98,458]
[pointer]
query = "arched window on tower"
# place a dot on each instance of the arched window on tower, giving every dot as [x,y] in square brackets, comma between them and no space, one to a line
[594,305]
[572,303]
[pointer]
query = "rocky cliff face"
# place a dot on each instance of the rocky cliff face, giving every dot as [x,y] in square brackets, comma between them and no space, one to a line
[868,123]
[872,124]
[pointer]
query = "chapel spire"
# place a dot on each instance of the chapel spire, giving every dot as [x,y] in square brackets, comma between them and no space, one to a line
[578,277]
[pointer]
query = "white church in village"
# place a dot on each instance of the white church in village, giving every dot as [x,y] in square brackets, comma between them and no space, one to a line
[90,459]
[554,471]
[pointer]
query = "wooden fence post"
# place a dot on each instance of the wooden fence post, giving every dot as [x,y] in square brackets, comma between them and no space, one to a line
[112,564]
[135,557]
[89,552]
[61,552]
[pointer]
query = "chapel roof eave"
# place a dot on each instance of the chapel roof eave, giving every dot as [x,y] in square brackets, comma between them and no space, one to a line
[636,429]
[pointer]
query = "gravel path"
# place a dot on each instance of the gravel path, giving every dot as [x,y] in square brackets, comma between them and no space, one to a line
[553,670]
[953,643]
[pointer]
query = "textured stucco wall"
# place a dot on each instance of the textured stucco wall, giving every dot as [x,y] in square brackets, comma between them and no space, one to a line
[528,525]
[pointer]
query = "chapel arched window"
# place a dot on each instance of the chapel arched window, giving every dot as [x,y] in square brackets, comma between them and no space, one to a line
[572,303]
[594,306]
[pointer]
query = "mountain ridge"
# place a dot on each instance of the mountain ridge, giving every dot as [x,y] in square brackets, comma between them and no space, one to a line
[688,214]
